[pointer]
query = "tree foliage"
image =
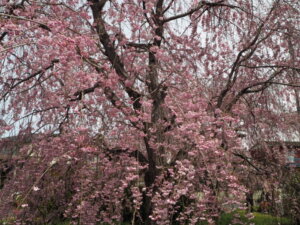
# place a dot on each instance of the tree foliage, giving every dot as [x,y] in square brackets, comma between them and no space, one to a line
[136,108]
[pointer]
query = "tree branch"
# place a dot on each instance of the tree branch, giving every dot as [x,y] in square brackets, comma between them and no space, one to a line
[190,12]
[200,5]
[30,77]
[233,73]
[81,93]
[247,90]
[249,162]
[3,35]
[41,25]
[110,51]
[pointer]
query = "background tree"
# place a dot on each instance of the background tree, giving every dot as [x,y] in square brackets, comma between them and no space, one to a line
[136,105]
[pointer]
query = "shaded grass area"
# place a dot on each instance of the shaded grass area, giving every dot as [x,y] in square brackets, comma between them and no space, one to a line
[233,218]
[239,217]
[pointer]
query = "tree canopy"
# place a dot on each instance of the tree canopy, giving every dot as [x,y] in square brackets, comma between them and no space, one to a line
[141,110]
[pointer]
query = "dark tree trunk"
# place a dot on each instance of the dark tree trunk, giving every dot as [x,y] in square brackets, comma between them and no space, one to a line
[149,179]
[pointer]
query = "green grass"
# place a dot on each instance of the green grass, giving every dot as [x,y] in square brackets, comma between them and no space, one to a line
[269,220]
[259,219]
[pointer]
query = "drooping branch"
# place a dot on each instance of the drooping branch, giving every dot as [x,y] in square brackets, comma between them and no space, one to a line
[188,13]
[234,69]
[252,88]
[250,48]
[271,67]
[53,62]
[199,6]
[36,111]
[246,159]
[41,25]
